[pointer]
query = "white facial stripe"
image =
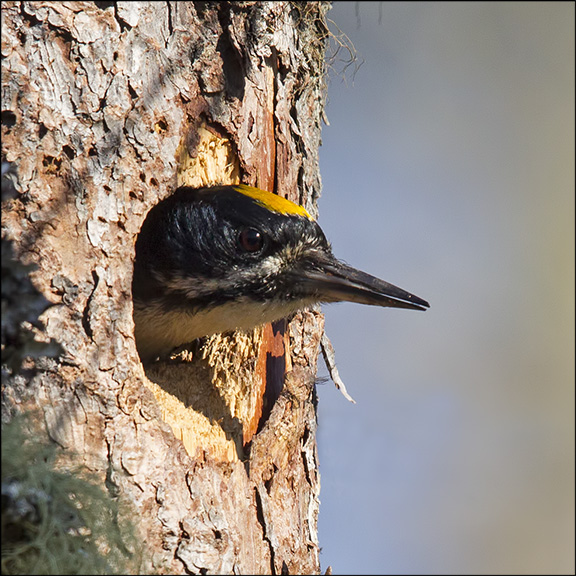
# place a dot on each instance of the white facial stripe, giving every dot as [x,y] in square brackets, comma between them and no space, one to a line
[267,268]
[199,286]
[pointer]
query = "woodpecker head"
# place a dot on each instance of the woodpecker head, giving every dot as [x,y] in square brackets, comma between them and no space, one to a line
[212,260]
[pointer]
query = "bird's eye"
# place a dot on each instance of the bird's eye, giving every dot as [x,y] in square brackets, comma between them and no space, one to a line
[251,240]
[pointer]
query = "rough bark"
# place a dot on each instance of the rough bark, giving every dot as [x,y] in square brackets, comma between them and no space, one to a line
[106,108]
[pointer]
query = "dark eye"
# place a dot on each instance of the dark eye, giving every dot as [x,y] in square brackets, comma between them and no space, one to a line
[251,240]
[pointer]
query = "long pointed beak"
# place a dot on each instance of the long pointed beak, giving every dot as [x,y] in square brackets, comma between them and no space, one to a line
[338,282]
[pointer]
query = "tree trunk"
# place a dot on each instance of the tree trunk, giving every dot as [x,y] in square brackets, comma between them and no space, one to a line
[106,108]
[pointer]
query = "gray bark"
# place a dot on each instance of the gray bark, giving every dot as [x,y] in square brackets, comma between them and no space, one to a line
[107,107]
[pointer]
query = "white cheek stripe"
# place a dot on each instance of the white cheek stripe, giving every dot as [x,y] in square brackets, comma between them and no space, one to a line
[199,286]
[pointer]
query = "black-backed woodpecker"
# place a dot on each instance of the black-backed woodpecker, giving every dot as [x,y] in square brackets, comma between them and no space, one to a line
[212,260]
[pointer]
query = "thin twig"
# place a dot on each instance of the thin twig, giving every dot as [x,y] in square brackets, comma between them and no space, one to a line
[330,359]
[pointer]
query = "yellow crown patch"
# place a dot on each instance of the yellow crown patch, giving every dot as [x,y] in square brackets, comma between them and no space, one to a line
[272,201]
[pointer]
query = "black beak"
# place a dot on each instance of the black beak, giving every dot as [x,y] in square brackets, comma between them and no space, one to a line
[335,281]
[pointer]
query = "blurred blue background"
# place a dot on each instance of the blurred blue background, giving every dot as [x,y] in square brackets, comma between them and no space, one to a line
[448,170]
